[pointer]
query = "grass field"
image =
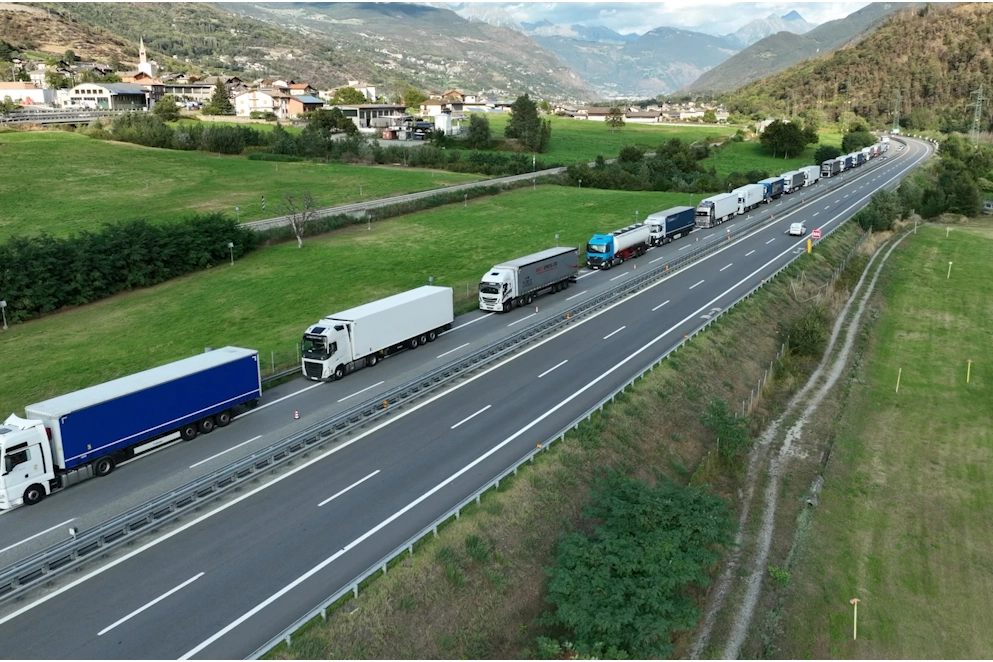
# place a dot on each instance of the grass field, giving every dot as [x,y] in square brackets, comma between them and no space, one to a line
[62,182]
[745,156]
[581,141]
[905,517]
[267,299]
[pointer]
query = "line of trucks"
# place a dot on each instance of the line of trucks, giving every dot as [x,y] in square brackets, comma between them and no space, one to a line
[67,439]
[834,167]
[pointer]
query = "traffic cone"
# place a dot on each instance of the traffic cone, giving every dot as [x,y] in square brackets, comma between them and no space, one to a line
[536,309]
[296,413]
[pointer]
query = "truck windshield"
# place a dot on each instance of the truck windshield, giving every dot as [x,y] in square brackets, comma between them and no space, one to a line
[489,288]
[314,346]
[596,248]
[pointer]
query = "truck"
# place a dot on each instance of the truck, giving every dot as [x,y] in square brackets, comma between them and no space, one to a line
[73,437]
[773,188]
[866,153]
[811,174]
[716,209]
[831,168]
[516,283]
[670,224]
[792,180]
[604,251]
[849,162]
[749,197]
[343,342]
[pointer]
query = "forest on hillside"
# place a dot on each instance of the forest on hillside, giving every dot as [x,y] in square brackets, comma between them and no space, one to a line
[925,62]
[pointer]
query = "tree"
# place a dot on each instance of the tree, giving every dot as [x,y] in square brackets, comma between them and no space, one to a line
[624,589]
[219,103]
[731,433]
[300,210]
[526,126]
[413,97]
[6,51]
[856,140]
[7,106]
[480,136]
[166,109]
[858,124]
[347,95]
[90,76]
[57,81]
[709,116]
[544,106]
[69,57]
[785,137]
[615,118]
[826,153]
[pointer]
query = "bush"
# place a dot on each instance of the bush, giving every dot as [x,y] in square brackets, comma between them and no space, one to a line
[266,156]
[262,115]
[880,213]
[731,433]
[807,332]
[826,153]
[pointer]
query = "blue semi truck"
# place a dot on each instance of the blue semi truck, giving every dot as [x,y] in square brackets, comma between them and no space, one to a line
[774,188]
[670,224]
[73,437]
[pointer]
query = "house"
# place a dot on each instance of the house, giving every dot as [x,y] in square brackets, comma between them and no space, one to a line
[367,90]
[722,115]
[26,94]
[140,77]
[643,116]
[374,115]
[98,69]
[454,95]
[264,101]
[298,104]
[189,91]
[302,89]
[691,114]
[598,113]
[109,96]
[435,107]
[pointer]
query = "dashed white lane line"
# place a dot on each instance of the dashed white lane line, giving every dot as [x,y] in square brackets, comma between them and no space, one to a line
[227,451]
[816,213]
[749,252]
[558,365]
[460,326]
[614,332]
[40,533]
[277,400]
[660,305]
[355,484]
[585,275]
[454,350]
[694,285]
[770,241]
[723,268]
[362,391]
[659,258]
[522,319]
[471,416]
[150,604]
[620,276]
[684,248]
[576,295]
[710,235]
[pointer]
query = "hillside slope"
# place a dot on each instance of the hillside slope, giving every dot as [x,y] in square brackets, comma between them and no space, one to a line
[784,49]
[935,56]
[33,29]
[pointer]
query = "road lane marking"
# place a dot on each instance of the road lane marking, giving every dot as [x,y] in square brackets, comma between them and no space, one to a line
[684,248]
[692,286]
[40,533]
[710,235]
[620,276]
[726,267]
[355,484]
[749,252]
[816,213]
[660,305]
[481,317]
[659,258]
[576,295]
[770,241]
[559,365]
[453,350]
[613,332]
[585,275]
[150,604]
[362,391]
[469,418]
[522,319]
[269,404]
[228,450]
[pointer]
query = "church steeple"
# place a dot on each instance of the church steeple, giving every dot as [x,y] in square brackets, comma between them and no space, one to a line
[142,54]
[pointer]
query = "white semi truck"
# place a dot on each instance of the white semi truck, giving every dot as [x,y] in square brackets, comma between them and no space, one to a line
[716,209]
[517,282]
[361,336]
[750,196]
[811,174]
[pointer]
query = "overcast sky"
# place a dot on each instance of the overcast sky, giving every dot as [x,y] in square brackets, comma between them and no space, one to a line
[718,18]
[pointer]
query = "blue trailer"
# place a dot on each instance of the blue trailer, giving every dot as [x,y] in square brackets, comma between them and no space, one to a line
[671,224]
[849,162]
[89,432]
[774,188]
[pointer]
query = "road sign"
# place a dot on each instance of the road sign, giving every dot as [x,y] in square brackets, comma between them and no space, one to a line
[816,234]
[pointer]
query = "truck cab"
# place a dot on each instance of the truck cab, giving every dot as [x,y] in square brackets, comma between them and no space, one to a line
[327,349]
[496,288]
[600,250]
[27,462]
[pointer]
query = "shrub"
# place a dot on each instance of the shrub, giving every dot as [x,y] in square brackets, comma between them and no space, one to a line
[808,331]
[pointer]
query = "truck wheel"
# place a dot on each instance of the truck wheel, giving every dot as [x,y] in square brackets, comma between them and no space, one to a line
[412,343]
[432,336]
[422,339]
[207,425]
[104,466]
[33,495]
[223,418]
[339,372]
[189,432]
[371,360]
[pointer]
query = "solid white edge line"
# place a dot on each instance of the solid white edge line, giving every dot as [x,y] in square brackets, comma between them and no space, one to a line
[577,295]
[695,284]
[227,451]
[613,332]
[285,397]
[522,319]
[660,305]
[40,533]
[367,388]
[150,604]
[359,437]
[471,416]
[453,350]
[355,484]
[558,365]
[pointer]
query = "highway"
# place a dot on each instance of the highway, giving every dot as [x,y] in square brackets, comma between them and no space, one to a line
[221,585]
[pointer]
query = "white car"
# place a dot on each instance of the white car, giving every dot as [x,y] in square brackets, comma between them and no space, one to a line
[798,229]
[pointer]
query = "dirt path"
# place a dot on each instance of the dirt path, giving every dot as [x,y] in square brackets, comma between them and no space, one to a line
[775,461]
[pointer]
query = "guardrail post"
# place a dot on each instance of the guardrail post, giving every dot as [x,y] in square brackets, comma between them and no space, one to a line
[355,590]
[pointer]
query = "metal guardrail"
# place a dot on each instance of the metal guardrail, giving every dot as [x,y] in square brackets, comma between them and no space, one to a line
[55,116]
[59,558]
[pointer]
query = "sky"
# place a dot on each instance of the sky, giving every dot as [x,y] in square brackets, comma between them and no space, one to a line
[720,17]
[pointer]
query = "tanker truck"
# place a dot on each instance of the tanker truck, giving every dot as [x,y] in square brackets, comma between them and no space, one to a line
[604,251]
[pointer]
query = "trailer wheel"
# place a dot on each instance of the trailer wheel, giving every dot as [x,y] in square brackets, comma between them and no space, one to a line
[223,418]
[103,466]
[422,339]
[207,425]
[33,494]
[432,336]
[371,360]
[412,343]
[339,372]
[189,432]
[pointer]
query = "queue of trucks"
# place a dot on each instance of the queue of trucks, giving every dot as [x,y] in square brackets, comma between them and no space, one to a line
[834,167]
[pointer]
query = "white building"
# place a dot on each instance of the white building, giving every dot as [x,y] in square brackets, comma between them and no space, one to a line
[27,94]
[257,101]
[150,67]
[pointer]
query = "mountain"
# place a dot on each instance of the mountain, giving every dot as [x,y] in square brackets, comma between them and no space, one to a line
[432,47]
[35,29]
[779,51]
[761,28]
[484,12]
[657,62]
[934,55]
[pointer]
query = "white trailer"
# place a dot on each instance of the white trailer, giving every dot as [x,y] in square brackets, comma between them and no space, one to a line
[345,341]
[750,196]
[517,282]
[811,174]
[716,209]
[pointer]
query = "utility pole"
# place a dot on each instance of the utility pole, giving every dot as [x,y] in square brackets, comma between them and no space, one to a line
[896,111]
[977,115]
